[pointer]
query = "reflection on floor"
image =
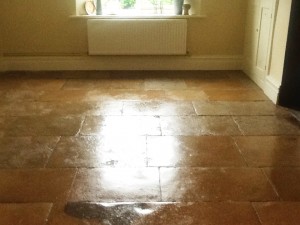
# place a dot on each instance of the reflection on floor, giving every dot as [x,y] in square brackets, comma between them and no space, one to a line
[296,114]
[154,148]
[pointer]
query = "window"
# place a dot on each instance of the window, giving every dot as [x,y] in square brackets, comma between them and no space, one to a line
[137,7]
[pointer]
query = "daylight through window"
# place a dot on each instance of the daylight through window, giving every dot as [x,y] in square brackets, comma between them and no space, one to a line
[137,7]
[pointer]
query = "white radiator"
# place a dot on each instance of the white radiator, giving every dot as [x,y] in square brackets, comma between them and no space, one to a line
[137,37]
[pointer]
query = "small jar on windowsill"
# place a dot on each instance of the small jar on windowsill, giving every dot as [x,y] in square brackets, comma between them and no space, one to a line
[195,7]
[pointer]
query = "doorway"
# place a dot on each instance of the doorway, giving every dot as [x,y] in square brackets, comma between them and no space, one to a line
[289,94]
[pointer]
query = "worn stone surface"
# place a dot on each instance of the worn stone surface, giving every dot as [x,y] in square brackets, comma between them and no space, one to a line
[268,125]
[35,185]
[210,184]
[202,151]
[80,108]
[235,95]
[158,108]
[263,108]
[104,83]
[117,185]
[19,95]
[195,125]
[102,95]
[79,145]
[286,181]
[26,152]
[24,214]
[278,213]
[166,83]
[164,213]
[278,151]
[102,151]
[50,125]
[185,95]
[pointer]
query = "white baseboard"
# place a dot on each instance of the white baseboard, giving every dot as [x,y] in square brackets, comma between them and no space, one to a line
[266,83]
[37,63]
[258,79]
[271,89]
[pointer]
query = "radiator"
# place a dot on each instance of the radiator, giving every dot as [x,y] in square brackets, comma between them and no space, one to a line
[137,37]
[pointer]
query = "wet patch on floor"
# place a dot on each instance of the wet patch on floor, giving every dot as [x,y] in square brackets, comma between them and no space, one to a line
[110,213]
[162,213]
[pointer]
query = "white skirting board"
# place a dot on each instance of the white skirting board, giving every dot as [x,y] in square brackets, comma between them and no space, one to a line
[256,78]
[271,89]
[267,84]
[37,63]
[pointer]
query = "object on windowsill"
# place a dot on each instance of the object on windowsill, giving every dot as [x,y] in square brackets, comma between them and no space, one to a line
[99,7]
[90,7]
[186,8]
[195,6]
[178,4]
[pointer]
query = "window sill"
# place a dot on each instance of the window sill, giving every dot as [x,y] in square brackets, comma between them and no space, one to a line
[136,17]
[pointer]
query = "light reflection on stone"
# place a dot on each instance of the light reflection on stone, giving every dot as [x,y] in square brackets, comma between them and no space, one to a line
[121,125]
[116,185]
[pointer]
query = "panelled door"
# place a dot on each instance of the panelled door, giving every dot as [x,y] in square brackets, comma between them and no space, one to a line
[264,31]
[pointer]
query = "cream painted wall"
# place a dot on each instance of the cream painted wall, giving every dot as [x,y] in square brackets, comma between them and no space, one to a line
[279,41]
[43,27]
[222,32]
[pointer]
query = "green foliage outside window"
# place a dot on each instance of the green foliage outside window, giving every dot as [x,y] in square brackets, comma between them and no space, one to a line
[127,4]
[159,2]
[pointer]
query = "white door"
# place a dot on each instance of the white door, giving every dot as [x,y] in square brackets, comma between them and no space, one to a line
[264,33]
[258,40]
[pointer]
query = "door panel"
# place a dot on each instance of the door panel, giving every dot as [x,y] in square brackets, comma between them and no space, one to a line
[258,41]
[264,30]
[264,39]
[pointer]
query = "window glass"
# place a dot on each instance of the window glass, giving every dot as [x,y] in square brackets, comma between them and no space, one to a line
[137,7]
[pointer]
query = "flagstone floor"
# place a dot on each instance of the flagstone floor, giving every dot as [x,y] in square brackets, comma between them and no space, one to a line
[151,148]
